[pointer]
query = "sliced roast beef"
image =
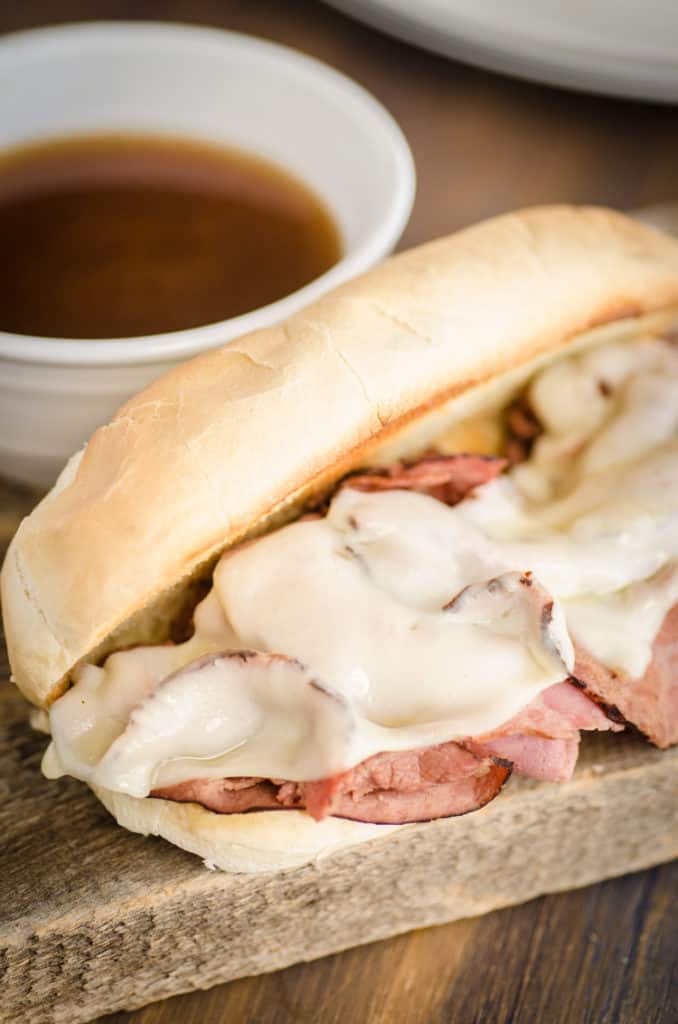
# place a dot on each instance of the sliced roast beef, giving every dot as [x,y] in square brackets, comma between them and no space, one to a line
[542,740]
[222,795]
[559,712]
[650,703]
[448,779]
[388,788]
[449,478]
[409,785]
[550,760]
[442,800]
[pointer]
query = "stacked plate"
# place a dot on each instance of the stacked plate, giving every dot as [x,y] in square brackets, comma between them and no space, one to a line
[620,47]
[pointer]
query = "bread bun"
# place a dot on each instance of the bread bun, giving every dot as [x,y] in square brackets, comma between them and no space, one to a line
[247,843]
[239,438]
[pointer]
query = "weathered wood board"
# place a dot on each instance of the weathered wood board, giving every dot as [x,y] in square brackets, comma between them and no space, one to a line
[94,919]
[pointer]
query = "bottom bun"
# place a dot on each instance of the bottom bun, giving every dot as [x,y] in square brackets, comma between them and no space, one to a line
[254,842]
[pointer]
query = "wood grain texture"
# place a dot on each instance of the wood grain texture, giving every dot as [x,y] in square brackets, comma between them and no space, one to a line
[601,955]
[604,955]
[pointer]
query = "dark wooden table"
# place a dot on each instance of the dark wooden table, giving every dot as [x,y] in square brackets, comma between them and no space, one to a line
[482,144]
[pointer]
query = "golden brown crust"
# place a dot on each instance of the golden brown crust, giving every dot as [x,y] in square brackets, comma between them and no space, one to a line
[238,438]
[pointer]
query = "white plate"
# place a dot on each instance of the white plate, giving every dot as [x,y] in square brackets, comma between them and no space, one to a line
[620,47]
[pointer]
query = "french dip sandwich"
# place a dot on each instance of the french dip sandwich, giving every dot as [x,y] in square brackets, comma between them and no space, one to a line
[353,571]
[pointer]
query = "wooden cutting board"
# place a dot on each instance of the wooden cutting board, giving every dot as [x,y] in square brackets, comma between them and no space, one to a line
[94,919]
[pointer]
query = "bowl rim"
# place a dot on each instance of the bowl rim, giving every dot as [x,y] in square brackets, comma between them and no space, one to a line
[176,345]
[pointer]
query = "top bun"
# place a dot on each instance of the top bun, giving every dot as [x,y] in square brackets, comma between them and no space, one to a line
[239,438]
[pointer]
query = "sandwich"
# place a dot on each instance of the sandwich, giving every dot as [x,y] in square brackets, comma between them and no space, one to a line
[354,571]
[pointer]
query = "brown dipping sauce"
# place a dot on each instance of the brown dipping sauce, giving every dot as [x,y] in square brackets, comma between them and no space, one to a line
[117,236]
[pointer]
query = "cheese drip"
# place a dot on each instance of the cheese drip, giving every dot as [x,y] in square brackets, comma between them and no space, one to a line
[415,617]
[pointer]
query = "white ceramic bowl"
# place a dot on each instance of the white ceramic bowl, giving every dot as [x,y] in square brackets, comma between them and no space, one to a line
[205,84]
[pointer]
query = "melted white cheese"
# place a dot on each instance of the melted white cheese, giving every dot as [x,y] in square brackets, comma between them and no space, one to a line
[402,676]
[359,598]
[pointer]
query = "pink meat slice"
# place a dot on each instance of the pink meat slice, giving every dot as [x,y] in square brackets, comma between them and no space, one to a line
[650,703]
[431,782]
[449,478]
[443,800]
[559,712]
[542,740]
[388,788]
[226,796]
[537,757]
[409,785]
